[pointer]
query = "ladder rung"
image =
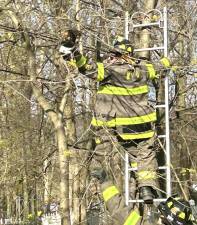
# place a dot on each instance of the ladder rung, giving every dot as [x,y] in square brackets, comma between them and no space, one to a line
[161,136]
[154,200]
[160,106]
[146,24]
[132,169]
[148,49]
[162,167]
[159,168]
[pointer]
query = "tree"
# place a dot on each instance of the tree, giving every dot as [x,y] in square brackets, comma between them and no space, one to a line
[46,105]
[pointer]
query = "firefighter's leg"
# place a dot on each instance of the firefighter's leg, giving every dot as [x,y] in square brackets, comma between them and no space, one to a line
[131,149]
[147,164]
[115,204]
[104,150]
[143,157]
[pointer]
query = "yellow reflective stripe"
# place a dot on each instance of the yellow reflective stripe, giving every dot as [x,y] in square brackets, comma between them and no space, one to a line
[125,121]
[81,62]
[112,90]
[110,192]
[181,215]
[151,71]
[129,49]
[165,62]
[169,204]
[132,219]
[128,75]
[100,73]
[122,46]
[133,164]
[97,140]
[147,134]
[146,175]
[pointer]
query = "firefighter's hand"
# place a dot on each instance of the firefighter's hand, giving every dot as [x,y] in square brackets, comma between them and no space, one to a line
[71,37]
[69,42]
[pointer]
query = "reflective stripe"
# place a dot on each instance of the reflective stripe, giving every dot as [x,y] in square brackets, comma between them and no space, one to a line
[133,164]
[169,204]
[125,121]
[146,175]
[97,140]
[112,90]
[128,75]
[129,49]
[181,215]
[147,134]
[132,219]
[110,192]
[101,72]
[81,62]
[165,62]
[122,46]
[151,71]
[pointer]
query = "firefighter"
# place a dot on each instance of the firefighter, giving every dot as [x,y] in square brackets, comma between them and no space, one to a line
[122,113]
[171,212]
[175,212]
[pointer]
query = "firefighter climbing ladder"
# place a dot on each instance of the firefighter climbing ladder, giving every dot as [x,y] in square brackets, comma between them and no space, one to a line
[161,23]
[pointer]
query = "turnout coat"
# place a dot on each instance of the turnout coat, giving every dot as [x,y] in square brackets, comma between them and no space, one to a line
[122,96]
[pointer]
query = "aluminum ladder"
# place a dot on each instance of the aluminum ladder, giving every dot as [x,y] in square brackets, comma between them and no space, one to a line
[161,24]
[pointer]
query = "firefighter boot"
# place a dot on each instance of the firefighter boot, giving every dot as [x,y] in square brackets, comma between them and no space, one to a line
[146,193]
[99,174]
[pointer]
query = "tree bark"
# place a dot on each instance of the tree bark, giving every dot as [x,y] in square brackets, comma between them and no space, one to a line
[144,38]
[57,120]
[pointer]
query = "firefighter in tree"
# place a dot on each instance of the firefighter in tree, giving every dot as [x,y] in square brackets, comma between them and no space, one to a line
[122,113]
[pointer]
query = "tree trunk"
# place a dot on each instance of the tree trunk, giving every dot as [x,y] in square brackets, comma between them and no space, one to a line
[144,39]
[57,119]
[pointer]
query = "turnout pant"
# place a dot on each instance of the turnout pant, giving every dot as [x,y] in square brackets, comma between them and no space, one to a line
[141,154]
[120,213]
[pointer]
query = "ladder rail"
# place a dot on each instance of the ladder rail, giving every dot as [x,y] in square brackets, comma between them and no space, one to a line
[127,178]
[149,49]
[167,117]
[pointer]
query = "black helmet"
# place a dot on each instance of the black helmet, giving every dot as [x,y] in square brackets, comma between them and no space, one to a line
[176,212]
[122,45]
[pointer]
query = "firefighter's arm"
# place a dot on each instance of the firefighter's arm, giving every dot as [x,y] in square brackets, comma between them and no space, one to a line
[158,69]
[89,67]
[166,63]
[146,69]
[85,65]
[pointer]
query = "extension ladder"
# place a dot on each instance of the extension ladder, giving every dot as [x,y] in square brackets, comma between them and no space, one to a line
[161,24]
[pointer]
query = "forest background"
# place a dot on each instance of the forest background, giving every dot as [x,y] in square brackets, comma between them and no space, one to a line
[46,107]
